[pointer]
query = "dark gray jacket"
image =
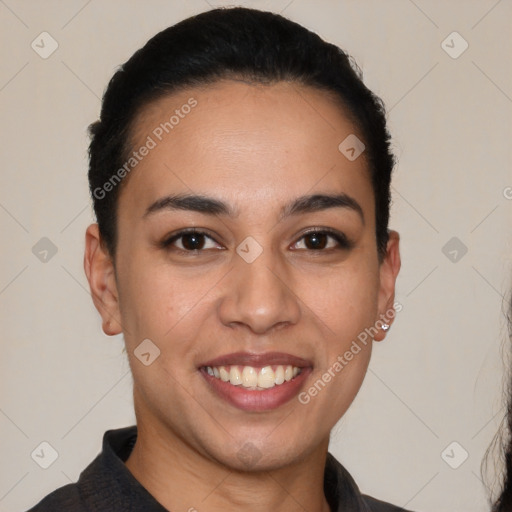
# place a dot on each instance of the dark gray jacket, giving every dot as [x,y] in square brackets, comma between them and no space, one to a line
[107,485]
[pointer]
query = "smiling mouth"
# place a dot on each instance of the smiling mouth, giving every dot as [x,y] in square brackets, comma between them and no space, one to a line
[254,378]
[256,382]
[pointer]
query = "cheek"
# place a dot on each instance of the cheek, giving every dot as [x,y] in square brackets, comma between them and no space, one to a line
[144,299]
[345,301]
[168,310]
[161,303]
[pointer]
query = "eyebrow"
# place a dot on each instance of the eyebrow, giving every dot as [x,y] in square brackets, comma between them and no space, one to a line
[211,206]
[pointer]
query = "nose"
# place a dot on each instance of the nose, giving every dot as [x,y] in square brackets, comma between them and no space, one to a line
[259,295]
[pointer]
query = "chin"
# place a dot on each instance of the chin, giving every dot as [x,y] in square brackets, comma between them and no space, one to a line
[263,453]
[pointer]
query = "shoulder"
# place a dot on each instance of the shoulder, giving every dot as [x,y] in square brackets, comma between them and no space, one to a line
[65,498]
[342,492]
[105,484]
[100,483]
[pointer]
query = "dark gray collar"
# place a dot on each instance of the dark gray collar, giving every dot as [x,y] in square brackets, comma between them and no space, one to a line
[108,485]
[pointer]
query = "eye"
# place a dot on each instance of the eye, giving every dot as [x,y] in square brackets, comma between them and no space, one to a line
[322,239]
[194,241]
[190,241]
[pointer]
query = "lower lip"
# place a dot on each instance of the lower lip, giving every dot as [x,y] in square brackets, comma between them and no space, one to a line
[255,400]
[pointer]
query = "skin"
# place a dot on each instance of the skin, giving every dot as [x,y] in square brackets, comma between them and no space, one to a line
[255,147]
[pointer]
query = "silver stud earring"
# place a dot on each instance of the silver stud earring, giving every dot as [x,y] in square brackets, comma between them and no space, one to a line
[385,327]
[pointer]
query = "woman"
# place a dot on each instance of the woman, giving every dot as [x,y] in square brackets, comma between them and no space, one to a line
[240,173]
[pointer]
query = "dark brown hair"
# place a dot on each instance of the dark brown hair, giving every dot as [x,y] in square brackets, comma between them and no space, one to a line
[225,43]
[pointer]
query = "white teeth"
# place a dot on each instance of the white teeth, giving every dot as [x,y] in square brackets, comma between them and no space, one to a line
[254,378]
[279,375]
[249,377]
[224,374]
[235,377]
[266,378]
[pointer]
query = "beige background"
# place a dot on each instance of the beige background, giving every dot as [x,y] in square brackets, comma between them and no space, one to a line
[436,379]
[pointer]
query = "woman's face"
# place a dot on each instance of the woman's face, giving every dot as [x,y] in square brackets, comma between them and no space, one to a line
[273,279]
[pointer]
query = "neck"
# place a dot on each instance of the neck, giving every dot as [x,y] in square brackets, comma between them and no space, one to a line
[180,478]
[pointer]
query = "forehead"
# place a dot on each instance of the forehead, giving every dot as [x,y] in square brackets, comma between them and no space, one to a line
[259,142]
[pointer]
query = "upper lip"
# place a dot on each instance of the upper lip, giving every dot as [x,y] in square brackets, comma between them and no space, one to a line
[258,360]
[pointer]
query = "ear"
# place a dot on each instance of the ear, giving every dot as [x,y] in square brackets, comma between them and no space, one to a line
[389,268]
[100,272]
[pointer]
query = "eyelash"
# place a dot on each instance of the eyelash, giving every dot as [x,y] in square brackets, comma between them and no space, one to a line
[340,238]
